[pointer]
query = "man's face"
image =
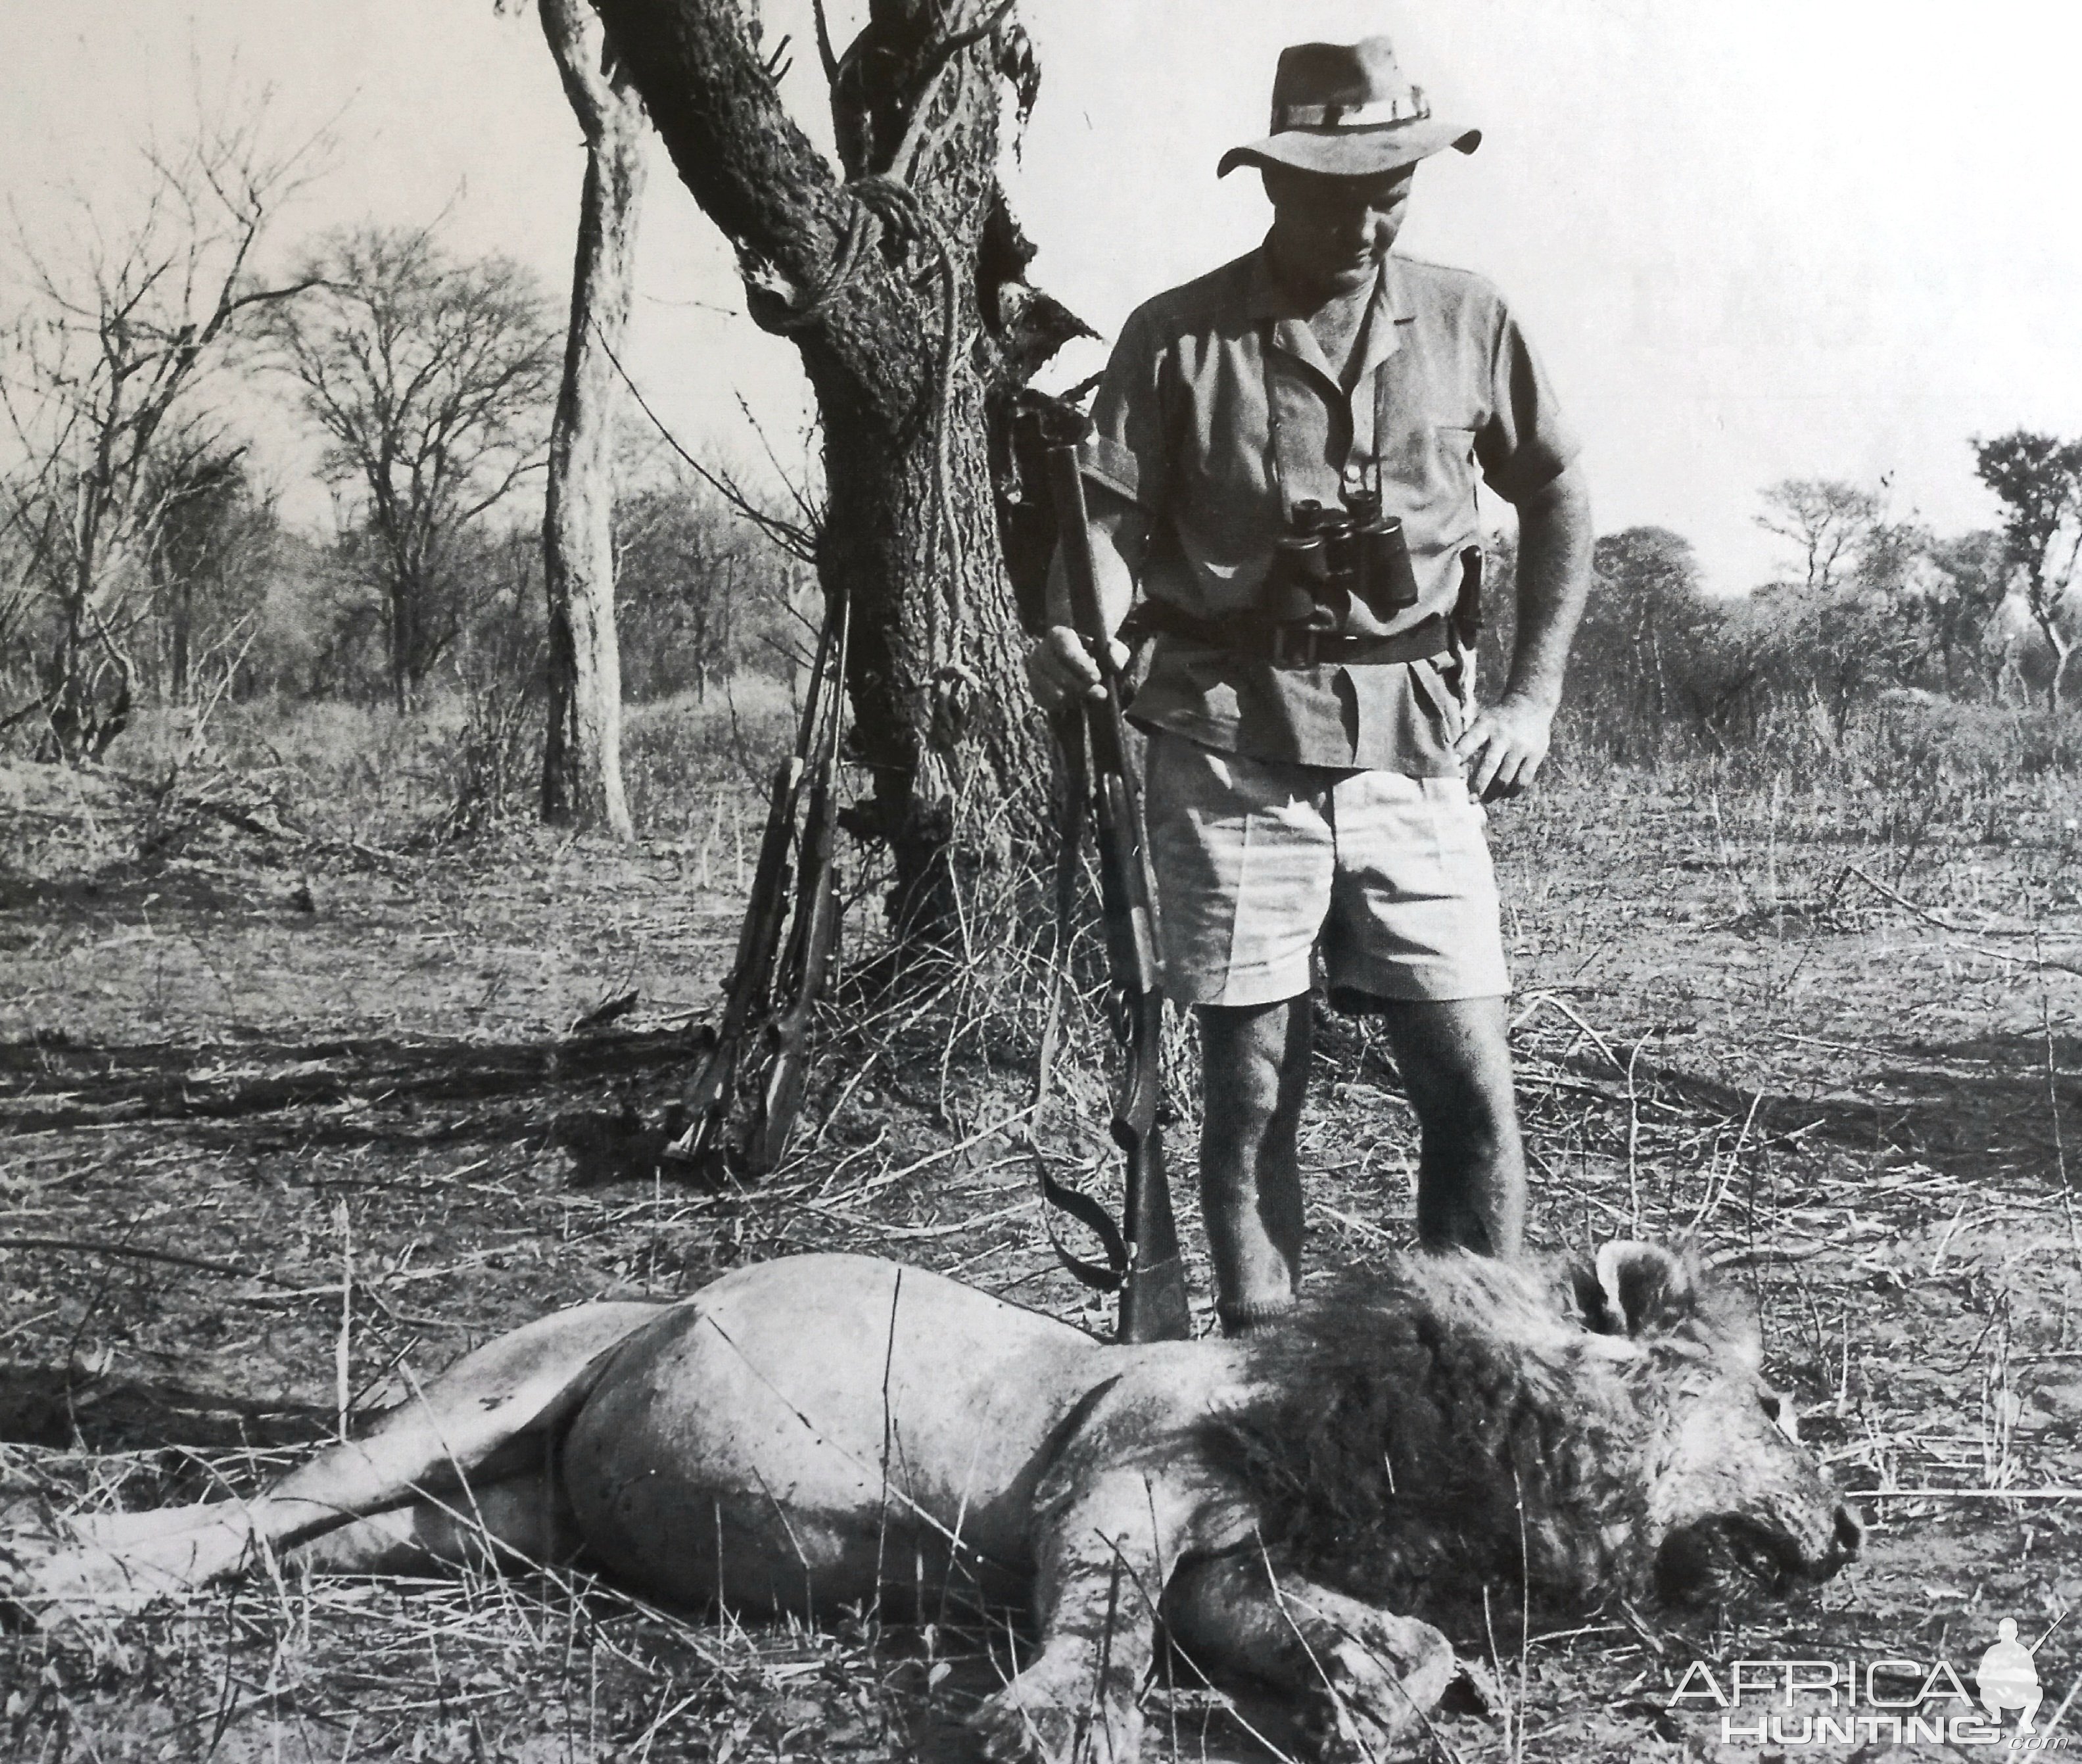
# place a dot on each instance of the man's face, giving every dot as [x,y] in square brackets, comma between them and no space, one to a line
[1330,234]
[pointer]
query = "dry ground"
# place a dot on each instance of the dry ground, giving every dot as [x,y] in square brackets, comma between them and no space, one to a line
[241,1069]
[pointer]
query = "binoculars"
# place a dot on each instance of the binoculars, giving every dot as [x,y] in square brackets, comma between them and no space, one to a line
[1329,558]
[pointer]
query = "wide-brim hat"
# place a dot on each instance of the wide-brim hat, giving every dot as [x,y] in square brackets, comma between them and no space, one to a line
[1344,110]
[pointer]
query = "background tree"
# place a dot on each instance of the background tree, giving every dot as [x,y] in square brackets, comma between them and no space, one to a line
[703,594]
[2038,479]
[1827,520]
[212,548]
[105,387]
[900,278]
[1963,605]
[582,748]
[1634,649]
[430,380]
[1924,609]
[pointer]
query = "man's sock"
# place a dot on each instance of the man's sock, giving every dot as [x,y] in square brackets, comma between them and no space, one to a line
[1251,1319]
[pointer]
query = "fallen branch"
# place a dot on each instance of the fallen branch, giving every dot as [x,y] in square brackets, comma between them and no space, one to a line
[95,1246]
[1895,895]
[246,821]
[102,1246]
[1966,1494]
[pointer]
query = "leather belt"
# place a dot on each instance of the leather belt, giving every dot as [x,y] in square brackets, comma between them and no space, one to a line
[1285,646]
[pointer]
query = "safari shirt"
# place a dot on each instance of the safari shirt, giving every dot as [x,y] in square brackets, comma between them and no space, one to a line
[1218,413]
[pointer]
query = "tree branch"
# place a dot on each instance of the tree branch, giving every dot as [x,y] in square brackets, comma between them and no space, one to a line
[578,41]
[800,541]
[756,174]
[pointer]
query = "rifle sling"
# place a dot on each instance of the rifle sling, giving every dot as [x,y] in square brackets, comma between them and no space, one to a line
[1057,1196]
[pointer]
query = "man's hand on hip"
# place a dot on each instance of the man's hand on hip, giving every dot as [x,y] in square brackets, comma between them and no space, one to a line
[1503,747]
[1059,668]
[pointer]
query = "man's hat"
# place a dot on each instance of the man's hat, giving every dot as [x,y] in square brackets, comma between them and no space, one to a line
[1344,109]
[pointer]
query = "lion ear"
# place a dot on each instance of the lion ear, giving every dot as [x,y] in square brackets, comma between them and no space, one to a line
[1591,1302]
[1642,1287]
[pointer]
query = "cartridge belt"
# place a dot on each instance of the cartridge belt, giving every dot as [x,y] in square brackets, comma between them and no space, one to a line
[1287,646]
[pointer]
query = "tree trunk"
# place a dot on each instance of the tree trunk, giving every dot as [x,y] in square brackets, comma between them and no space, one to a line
[183,621]
[582,750]
[910,537]
[397,636]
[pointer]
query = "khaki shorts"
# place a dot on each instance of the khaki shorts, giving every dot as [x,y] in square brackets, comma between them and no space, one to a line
[1257,859]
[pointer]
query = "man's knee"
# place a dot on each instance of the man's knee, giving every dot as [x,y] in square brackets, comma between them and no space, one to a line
[1254,1062]
[1455,1058]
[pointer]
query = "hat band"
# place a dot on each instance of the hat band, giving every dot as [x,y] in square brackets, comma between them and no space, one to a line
[1411,107]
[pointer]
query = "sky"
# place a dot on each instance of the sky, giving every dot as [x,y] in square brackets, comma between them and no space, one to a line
[1782,238]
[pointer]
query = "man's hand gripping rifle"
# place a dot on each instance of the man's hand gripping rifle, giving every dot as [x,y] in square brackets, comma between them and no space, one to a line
[1152,1277]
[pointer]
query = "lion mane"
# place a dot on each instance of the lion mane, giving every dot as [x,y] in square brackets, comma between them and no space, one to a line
[1449,1424]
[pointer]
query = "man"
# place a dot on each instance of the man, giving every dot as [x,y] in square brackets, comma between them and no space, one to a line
[1314,776]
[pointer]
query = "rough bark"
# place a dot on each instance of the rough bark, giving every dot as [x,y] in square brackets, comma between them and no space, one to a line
[582,750]
[942,717]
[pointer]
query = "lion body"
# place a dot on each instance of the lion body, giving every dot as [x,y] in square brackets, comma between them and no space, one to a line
[825,1429]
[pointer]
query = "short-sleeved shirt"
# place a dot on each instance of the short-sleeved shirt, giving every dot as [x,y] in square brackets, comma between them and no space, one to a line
[1218,414]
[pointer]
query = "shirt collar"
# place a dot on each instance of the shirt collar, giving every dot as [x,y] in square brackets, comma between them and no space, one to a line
[1269,298]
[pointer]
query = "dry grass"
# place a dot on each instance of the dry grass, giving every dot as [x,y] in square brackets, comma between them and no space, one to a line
[462,766]
[1854,1084]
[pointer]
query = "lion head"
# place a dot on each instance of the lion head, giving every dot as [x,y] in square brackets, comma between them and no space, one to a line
[1731,1493]
[1456,1419]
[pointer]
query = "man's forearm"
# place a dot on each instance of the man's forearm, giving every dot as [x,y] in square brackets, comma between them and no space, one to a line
[1116,537]
[1554,540]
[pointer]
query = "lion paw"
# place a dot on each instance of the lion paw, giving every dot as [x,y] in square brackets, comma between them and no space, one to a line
[50,1578]
[64,1583]
[1381,1679]
[1053,1713]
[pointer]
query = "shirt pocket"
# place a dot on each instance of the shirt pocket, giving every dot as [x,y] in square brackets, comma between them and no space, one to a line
[1428,477]
[1454,449]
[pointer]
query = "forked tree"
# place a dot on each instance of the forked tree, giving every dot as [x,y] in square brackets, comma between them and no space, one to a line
[431,381]
[899,276]
[1827,521]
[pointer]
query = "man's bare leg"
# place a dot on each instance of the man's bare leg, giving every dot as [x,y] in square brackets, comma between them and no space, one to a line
[1455,1058]
[1254,1074]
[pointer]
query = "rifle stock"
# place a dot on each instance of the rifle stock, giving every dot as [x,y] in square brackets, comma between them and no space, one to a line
[706,1102]
[1152,1290]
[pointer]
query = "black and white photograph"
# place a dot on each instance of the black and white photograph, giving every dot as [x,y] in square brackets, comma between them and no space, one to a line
[1040,881]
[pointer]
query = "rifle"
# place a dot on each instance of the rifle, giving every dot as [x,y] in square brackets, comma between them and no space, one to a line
[812,935]
[699,1125]
[1150,1275]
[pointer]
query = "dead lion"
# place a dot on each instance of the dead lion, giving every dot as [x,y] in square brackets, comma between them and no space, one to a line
[824,1429]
